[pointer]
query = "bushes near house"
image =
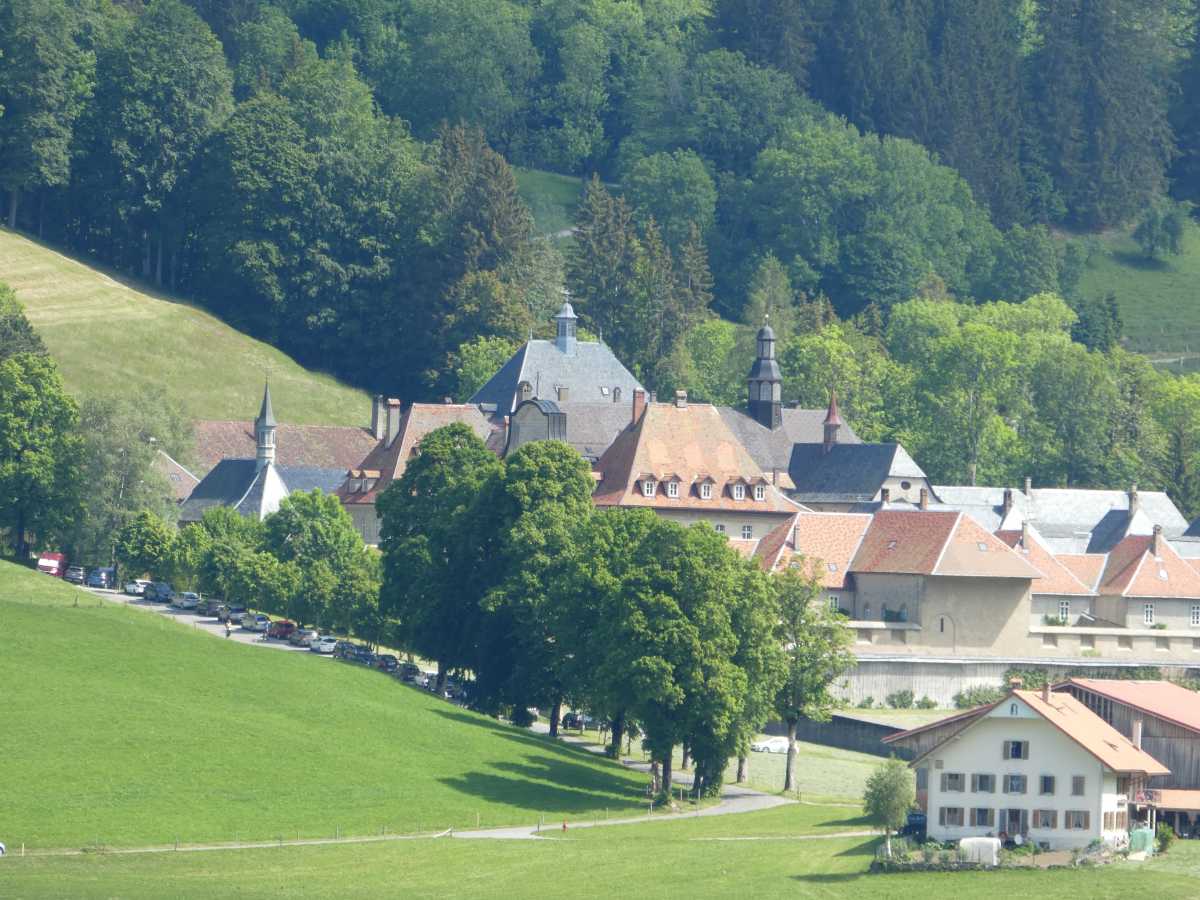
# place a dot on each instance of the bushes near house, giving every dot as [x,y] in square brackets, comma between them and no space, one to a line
[1164,837]
[976,696]
[926,703]
[900,699]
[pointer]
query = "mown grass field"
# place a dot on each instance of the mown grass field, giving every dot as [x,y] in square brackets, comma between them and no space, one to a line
[120,728]
[109,333]
[1159,299]
[751,855]
[552,199]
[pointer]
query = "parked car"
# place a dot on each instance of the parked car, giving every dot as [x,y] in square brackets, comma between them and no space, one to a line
[324,645]
[281,630]
[770,745]
[256,622]
[346,650]
[577,720]
[410,672]
[159,592]
[385,662]
[52,564]
[208,606]
[101,578]
[137,587]
[914,827]
[75,574]
[186,600]
[365,656]
[230,613]
[303,637]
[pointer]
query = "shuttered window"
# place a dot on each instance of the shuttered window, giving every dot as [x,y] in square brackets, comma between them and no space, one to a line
[1014,784]
[1046,784]
[983,817]
[1077,820]
[1045,818]
[950,816]
[983,784]
[1016,749]
[1077,785]
[953,781]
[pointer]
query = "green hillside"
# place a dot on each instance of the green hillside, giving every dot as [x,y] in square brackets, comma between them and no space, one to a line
[1159,299]
[121,728]
[107,332]
[765,854]
[552,199]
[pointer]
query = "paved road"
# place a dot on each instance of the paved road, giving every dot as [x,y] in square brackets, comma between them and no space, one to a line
[206,624]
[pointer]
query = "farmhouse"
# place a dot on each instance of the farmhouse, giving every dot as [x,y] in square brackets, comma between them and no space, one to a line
[1037,764]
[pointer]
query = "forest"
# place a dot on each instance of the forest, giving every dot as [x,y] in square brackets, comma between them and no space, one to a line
[890,181]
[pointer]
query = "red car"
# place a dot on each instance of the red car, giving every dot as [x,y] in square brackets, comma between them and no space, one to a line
[281,630]
[53,564]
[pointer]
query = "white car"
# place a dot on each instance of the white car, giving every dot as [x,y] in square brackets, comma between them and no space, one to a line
[770,745]
[137,587]
[186,600]
[323,645]
[255,622]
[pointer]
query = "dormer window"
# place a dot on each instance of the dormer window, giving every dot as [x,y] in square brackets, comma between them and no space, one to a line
[739,492]
[706,491]
[760,492]
[672,488]
[649,488]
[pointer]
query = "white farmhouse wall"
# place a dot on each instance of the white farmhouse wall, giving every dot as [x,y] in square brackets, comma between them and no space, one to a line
[980,750]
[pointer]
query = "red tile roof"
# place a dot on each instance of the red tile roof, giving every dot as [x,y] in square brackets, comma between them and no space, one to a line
[1069,716]
[1092,733]
[1162,699]
[419,419]
[1140,566]
[319,446]
[1087,567]
[1056,578]
[935,542]
[691,442]
[826,542]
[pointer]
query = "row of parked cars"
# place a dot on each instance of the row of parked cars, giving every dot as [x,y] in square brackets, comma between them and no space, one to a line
[286,630]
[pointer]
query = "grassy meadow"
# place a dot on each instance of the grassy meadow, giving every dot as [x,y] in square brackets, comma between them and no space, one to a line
[552,198]
[108,332]
[121,728]
[1159,298]
[766,854]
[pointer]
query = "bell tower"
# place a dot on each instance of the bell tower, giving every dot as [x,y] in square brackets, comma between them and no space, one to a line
[264,430]
[765,384]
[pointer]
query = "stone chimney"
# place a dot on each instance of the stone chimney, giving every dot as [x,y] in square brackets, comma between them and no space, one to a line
[1157,543]
[681,399]
[393,421]
[1135,502]
[378,417]
[1007,505]
[924,503]
[1025,539]
[1046,691]
[639,405]
[1028,487]
[1136,738]
[885,495]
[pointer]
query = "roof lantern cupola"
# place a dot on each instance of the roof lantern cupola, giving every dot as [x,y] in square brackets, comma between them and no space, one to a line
[765,384]
[565,322]
[264,430]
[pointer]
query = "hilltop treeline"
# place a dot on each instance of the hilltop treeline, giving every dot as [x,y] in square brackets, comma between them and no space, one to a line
[335,177]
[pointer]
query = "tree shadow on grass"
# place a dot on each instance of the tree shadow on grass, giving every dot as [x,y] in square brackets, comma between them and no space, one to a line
[542,742]
[829,878]
[1141,262]
[858,822]
[531,795]
[597,781]
[866,848]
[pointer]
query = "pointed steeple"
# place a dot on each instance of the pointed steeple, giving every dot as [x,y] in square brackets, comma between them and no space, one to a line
[264,430]
[833,422]
[765,384]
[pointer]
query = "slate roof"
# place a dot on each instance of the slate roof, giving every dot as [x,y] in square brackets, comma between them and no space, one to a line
[848,473]
[773,449]
[690,443]
[589,371]
[418,420]
[240,484]
[324,446]
[1069,520]
[592,427]
[930,542]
